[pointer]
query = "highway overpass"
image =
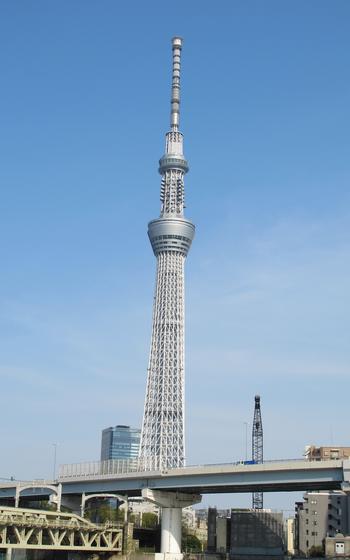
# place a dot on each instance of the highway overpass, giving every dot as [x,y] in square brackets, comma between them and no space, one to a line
[273,476]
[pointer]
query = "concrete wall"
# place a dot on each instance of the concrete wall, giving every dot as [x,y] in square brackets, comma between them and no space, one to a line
[221,534]
[18,555]
[21,554]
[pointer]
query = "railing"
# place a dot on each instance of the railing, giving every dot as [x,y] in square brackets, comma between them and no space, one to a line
[101,468]
[247,463]
[117,467]
[42,521]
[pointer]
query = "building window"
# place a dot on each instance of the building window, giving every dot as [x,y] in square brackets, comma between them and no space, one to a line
[334,453]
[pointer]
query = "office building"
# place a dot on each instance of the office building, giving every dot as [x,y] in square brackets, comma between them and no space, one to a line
[120,442]
[219,531]
[320,515]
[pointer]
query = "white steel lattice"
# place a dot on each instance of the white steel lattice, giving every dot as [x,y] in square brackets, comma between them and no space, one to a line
[163,426]
[162,436]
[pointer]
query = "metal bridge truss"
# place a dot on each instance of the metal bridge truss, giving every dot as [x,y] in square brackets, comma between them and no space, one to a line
[50,530]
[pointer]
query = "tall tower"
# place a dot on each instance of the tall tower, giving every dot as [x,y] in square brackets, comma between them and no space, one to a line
[257,448]
[162,436]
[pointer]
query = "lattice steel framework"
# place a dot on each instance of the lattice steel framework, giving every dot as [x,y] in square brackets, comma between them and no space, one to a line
[162,436]
[51,530]
[257,448]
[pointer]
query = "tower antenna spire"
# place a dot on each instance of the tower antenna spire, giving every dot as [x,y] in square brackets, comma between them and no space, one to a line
[175,85]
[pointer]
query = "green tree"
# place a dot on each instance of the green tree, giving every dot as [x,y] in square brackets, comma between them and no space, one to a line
[99,512]
[191,543]
[149,520]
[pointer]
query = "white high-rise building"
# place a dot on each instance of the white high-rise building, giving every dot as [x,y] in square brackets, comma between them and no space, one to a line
[162,436]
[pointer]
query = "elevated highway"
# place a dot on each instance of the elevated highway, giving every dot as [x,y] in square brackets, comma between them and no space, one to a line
[274,476]
[279,476]
[174,489]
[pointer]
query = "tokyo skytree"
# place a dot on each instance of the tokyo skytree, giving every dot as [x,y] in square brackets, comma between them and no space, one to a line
[162,436]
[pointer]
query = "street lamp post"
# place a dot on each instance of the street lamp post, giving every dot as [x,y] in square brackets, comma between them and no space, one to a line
[54,460]
[246,440]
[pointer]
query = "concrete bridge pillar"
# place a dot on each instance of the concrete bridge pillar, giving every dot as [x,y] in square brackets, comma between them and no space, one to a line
[346,476]
[171,530]
[171,504]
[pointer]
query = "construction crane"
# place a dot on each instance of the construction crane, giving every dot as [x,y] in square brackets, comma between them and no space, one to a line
[257,448]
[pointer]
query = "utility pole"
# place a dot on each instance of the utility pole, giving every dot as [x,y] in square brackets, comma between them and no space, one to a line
[54,461]
[246,441]
[257,448]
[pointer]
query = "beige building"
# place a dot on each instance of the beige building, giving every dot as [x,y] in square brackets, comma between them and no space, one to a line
[289,535]
[337,546]
[313,453]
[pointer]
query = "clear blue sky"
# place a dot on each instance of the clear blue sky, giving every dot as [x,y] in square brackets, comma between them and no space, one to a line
[265,113]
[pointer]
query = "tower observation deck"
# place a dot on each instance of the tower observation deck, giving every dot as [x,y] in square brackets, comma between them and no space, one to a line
[162,436]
